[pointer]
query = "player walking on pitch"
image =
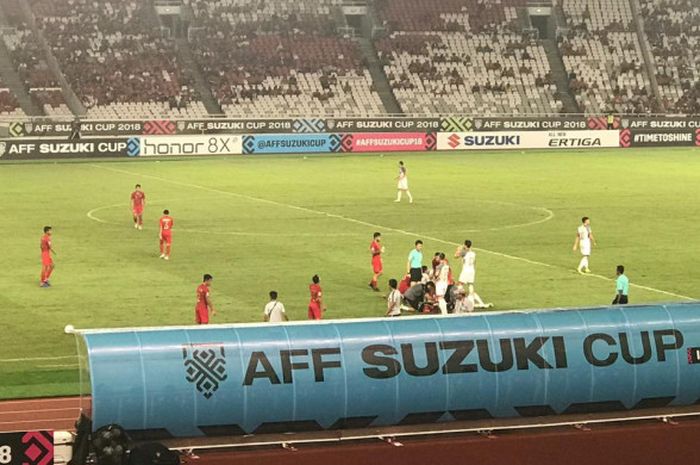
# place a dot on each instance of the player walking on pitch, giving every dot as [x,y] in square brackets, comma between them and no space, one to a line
[204,307]
[584,240]
[316,306]
[376,249]
[468,275]
[165,234]
[403,184]
[47,265]
[138,202]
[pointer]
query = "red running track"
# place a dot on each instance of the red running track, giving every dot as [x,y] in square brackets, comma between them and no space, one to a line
[652,443]
[57,413]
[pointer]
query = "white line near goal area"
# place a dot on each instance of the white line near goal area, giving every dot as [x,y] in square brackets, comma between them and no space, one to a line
[372,225]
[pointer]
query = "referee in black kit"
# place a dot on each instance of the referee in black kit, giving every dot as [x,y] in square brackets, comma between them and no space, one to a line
[75,129]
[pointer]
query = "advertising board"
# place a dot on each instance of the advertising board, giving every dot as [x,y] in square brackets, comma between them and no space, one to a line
[527,140]
[36,149]
[291,143]
[190,145]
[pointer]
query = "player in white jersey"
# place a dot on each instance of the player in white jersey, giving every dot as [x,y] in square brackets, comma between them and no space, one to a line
[584,241]
[468,275]
[403,184]
[442,282]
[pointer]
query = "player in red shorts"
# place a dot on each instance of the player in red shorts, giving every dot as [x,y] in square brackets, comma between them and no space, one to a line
[204,305]
[377,267]
[316,307]
[47,265]
[166,234]
[138,202]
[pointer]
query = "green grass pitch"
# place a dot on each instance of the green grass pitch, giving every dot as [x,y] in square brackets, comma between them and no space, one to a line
[268,222]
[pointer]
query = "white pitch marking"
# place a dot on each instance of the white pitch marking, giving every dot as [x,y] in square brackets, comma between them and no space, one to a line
[72,365]
[372,225]
[36,359]
[91,215]
[92,212]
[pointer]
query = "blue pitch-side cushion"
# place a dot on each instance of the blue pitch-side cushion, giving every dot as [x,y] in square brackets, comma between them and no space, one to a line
[348,374]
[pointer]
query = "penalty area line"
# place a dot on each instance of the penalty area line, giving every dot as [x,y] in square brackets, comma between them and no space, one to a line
[371,225]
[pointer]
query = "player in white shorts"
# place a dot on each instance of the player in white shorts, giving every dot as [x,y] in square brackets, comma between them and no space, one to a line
[584,241]
[442,282]
[468,275]
[403,184]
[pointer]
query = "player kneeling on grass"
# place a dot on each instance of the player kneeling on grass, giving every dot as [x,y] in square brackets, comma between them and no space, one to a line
[165,234]
[463,302]
[316,305]
[204,307]
[393,300]
[47,264]
[622,287]
[422,298]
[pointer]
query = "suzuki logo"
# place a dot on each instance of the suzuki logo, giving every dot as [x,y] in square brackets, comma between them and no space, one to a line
[453,141]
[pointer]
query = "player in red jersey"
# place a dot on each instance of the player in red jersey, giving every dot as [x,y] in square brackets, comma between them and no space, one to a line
[316,306]
[138,202]
[47,265]
[376,250]
[166,234]
[204,306]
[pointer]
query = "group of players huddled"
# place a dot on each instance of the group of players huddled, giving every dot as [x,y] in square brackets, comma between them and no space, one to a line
[431,289]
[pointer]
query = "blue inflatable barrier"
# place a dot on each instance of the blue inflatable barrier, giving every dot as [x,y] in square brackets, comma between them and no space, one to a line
[240,379]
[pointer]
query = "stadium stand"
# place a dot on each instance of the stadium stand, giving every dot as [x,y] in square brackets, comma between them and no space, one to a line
[115,59]
[673,30]
[27,57]
[263,58]
[603,56]
[9,105]
[457,56]
[271,57]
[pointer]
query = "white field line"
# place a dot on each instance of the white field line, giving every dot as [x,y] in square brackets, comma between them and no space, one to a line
[71,365]
[36,359]
[371,225]
[92,215]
